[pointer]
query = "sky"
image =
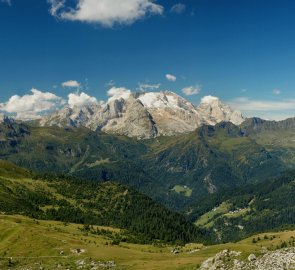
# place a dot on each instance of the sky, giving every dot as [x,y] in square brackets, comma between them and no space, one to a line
[75,52]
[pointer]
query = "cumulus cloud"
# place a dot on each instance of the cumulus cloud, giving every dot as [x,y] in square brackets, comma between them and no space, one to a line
[105,12]
[178,8]
[267,109]
[170,77]
[191,90]
[7,2]
[117,93]
[80,100]
[276,91]
[30,106]
[148,87]
[71,83]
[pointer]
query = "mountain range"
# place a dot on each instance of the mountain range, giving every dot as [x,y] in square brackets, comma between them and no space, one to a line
[145,115]
[192,159]
[176,171]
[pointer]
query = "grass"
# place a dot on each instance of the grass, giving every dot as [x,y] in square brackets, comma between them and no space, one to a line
[98,162]
[186,191]
[206,219]
[32,243]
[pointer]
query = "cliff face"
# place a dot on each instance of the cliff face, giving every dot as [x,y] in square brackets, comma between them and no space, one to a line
[145,115]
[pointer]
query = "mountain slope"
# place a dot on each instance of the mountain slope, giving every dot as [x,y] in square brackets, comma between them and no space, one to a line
[240,212]
[88,202]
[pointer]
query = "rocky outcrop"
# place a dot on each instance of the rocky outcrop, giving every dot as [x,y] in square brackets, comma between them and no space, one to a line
[214,111]
[172,113]
[282,259]
[134,121]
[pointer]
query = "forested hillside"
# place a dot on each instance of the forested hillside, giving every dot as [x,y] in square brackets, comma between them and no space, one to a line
[176,171]
[255,208]
[91,203]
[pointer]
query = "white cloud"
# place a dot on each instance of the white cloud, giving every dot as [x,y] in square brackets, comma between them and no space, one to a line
[178,8]
[32,105]
[276,91]
[71,83]
[148,87]
[105,12]
[110,83]
[7,2]
[191,90]
[80,100]
[170,77]
[266,109]
[56,5]
[117,93]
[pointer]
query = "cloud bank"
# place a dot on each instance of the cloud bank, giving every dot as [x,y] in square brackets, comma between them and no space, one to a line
[80,100]
[117,93]
[30,106]
[105,12]
[266,109]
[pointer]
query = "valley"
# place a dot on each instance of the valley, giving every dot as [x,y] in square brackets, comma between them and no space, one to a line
[147,135]
[95,205]
[207,160]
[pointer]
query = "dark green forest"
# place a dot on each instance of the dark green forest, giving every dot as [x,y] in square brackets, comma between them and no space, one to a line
[67,199]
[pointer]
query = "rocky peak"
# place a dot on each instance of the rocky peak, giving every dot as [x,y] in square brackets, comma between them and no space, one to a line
[164,99]
[145,115]
[214,111]
[133,120]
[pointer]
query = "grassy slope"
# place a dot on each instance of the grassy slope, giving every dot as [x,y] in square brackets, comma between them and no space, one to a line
[90,202]
[24,237]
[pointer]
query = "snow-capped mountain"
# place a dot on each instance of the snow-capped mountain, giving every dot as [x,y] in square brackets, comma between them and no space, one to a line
[145,115]
[214,111]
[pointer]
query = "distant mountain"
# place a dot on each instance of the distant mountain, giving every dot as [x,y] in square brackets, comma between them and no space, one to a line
[145,115]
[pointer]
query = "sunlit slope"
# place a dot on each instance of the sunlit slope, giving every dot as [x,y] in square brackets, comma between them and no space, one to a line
[30,244]
[92,203]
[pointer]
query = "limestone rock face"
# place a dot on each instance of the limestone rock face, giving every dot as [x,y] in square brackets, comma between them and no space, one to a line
[133,121]
[67,117]
[145,115]
[214,111]
[171,113]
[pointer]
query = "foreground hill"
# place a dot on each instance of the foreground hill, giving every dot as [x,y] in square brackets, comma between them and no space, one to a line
[91,203]
[56,245]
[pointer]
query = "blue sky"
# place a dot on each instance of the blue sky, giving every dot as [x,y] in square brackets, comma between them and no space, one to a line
[242,51]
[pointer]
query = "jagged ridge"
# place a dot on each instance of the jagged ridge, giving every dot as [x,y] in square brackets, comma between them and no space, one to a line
[145,115]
